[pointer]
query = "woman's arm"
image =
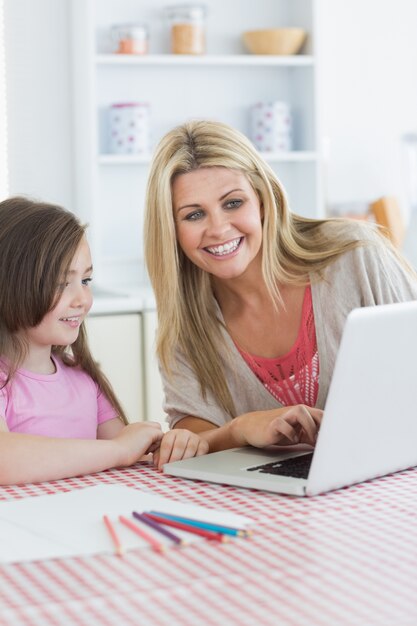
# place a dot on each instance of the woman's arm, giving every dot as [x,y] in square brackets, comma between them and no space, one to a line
[217,437]
[31,458]
[284,426]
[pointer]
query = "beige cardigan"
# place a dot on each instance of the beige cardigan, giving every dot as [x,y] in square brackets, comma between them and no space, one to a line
[365,276]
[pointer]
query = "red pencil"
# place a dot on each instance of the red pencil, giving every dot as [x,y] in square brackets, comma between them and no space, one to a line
[118,546]
[208,534]
[158,547]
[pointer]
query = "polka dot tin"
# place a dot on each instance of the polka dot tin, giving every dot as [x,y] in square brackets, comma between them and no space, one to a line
[271,126]
[129,128]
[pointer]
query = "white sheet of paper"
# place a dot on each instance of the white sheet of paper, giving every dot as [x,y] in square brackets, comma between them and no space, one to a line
[71,524]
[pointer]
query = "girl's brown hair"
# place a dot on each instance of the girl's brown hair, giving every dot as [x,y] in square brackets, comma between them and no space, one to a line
[37,244]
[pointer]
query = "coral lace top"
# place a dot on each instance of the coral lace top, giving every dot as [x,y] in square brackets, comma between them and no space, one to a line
[294,377]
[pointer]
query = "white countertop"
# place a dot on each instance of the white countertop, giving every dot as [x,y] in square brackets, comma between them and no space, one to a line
[129,300]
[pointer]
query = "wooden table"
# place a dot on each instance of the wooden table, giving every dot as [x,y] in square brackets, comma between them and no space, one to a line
[345,558]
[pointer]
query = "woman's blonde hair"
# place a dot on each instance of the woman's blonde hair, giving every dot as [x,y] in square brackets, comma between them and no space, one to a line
[37,244]
[293,246]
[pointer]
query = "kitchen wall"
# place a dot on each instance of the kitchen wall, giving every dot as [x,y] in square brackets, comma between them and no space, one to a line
[39,99]
[368,96]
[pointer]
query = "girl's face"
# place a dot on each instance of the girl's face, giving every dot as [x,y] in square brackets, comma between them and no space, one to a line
[218,221]
[60,326]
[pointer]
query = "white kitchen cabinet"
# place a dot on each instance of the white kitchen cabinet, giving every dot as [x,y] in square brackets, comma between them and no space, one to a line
[116,343]
[154,395]
[223,84]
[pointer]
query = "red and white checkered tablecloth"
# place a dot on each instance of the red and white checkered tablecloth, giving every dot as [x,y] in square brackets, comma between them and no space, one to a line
[345,558]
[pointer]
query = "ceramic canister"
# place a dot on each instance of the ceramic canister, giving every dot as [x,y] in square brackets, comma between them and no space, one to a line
[271,126]
[129,128]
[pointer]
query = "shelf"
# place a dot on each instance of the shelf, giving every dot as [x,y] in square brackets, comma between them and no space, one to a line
[124,159]
[271,157]
[294,156]
[247,60]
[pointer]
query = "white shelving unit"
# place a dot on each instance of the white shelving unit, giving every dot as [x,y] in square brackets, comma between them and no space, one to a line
[223,84]
[109,189]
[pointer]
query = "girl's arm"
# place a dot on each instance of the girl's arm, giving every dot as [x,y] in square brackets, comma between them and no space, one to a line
[284,426]
[110,429]
[175,445]
[31,458]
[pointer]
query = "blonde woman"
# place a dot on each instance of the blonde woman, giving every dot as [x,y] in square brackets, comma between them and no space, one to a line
[251,297]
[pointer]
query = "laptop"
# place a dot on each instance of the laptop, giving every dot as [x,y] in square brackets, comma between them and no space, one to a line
[369,426]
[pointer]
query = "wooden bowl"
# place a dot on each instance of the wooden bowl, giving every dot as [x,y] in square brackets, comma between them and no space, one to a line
[274,40]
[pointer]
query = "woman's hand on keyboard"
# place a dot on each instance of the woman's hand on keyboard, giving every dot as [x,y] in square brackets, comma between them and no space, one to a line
[285,426]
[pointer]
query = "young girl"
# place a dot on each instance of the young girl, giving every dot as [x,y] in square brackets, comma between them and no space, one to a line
[58,414]
[251,297]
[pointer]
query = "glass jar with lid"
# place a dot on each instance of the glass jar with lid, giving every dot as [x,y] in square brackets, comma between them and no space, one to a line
[131,38]
[187,23]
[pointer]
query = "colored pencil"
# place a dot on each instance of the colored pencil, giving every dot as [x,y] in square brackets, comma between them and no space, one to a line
[112,532]
[208,534]
[159,528]
[158,547]
[225,530]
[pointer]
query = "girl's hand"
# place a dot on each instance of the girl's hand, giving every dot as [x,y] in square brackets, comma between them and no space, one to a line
[286,426]
[136,440]
[179,444]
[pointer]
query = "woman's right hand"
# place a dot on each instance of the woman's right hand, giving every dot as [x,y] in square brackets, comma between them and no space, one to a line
[136,440]
[285,426]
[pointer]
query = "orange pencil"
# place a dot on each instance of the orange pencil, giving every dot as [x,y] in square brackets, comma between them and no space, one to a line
[158,547]
[112,532]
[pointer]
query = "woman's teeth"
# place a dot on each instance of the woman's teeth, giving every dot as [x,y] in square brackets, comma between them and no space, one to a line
[225,248]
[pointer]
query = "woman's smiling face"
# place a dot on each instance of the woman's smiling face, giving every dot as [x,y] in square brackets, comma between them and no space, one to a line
[218,220]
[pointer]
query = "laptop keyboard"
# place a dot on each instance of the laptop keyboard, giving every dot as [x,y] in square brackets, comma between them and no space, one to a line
[296,466]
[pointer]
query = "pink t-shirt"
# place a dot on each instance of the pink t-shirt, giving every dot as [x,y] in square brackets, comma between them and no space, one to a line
[67,404]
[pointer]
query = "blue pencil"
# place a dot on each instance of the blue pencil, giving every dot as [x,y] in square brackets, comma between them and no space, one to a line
[224,530]
[159,528]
